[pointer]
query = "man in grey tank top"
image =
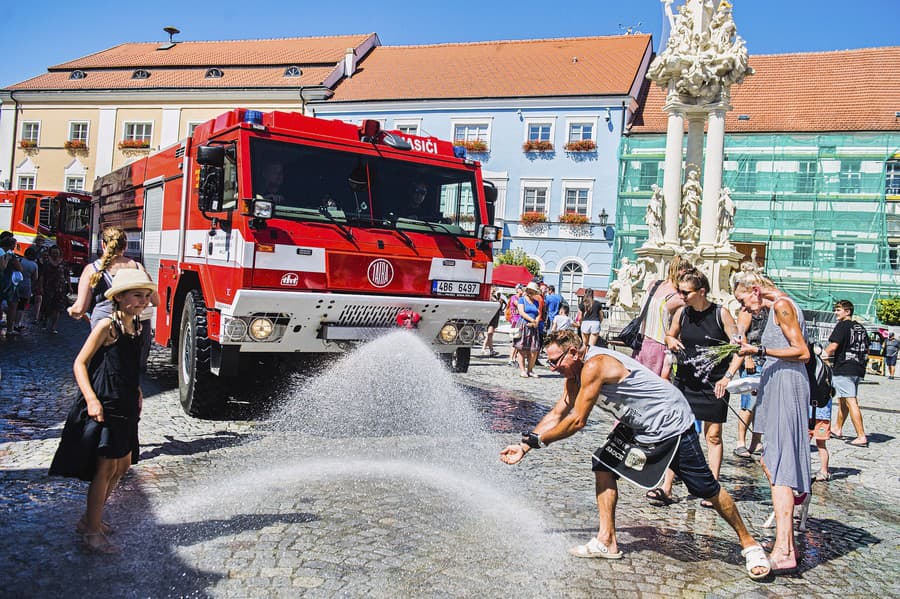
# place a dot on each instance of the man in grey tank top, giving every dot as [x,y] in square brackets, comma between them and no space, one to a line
[655,411]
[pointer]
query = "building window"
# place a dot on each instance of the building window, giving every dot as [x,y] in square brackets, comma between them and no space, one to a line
[466,132]
[407,127]
[746,176]
[845,255]
[78,131]
[892,178]
[535,199]
[649,175]
[580,131]
[806,176]
[803,253]
[894,256]
[31,131]
[77,74]
[571,277]
[293,71]
[26,182]
[539,132]
[140,74]
[850,176]
[138,132]
[192,126]
[214,73]
[74,183]
[576,201]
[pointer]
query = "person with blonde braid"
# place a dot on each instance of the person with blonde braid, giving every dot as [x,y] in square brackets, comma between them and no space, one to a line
[97,278]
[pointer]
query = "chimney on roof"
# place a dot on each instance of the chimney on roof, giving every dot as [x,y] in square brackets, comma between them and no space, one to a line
[349,63]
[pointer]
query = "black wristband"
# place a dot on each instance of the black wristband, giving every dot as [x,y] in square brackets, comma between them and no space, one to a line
[531,439]
[761,352]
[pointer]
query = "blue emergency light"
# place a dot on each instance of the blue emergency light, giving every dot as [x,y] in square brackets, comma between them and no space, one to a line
[459,151]
[254,117]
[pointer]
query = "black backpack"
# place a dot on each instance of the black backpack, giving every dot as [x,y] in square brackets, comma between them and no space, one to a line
[821,388]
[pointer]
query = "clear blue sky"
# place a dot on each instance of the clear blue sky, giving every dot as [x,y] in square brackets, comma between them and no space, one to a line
[38,34]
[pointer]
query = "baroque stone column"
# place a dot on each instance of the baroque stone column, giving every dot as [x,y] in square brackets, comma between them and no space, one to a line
[694,156]
[672,179]
[712,177]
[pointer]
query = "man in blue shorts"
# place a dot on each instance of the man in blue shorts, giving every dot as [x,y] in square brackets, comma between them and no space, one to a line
[653,409]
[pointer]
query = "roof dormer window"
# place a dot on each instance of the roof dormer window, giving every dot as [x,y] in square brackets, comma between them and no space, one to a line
[77,74]
[214,73]
[293,71]
[140,74]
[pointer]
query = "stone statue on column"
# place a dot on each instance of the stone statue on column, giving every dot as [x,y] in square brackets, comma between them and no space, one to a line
[654,216]
[726,218]
[691,194]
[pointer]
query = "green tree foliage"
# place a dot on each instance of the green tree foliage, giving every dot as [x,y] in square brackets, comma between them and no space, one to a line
[518,257]
[888,310]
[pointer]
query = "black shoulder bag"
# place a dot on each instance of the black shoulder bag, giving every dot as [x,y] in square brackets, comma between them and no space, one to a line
[631,334]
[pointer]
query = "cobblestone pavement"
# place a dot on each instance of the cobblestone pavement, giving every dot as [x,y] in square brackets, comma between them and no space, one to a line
[241,507]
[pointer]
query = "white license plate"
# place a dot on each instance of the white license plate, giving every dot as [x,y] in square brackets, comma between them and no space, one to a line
[455,288]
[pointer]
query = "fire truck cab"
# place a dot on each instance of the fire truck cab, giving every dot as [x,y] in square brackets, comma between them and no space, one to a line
[277,233]
[60,217]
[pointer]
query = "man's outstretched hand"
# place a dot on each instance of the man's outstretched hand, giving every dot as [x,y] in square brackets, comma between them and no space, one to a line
[512,454]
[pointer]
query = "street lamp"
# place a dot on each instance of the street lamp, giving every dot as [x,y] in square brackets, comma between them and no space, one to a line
[604,217]
[608,230]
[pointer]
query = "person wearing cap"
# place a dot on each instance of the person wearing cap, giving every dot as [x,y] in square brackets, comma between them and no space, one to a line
[891,349]
[100,438]
[654,410]
[529,344]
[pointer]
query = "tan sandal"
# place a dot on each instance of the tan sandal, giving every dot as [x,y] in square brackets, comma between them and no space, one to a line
[104,547]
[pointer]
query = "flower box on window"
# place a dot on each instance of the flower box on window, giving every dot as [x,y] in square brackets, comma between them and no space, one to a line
[584,145]
[75,144]
[476,145]
[533,218]
[533,145]
[573,218]
[27,144]
[133,144]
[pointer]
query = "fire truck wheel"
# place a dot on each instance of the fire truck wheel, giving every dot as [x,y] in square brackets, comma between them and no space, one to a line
[197,386]
[458,361]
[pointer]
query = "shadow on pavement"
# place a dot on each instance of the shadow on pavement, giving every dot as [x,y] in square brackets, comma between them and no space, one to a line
[175,446]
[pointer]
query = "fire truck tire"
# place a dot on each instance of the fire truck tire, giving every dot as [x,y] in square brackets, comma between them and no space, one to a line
[197,386]
[458,361]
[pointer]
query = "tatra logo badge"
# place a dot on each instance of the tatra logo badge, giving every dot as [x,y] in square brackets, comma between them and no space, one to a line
[381,273]
[290,280]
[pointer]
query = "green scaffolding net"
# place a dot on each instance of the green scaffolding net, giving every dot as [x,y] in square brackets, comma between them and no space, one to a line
[823,211]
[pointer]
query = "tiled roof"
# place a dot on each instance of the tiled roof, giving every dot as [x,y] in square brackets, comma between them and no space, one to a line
[284,51]
[165,78]
[847,90]
[545,67]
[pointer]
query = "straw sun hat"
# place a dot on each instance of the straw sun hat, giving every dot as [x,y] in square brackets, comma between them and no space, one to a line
[127,279]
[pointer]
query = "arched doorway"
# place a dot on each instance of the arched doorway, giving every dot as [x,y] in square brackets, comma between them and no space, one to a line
[571,276]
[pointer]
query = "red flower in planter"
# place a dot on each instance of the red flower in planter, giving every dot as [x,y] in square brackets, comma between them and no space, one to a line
[476,145]
[584,145]
[573,218]
[27,144]
[537,146]
[133,144]
[533,218]
[75,144]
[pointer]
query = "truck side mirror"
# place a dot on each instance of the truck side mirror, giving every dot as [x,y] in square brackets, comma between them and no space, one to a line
[211,155]
[490,199]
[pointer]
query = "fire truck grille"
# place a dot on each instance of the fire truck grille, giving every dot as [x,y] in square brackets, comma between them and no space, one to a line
[369,316]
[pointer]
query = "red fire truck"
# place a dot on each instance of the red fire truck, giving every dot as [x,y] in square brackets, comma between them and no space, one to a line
[277,233]
[60,217]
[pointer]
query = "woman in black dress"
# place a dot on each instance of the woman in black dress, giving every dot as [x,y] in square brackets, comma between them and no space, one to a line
[100,439]
[697,325]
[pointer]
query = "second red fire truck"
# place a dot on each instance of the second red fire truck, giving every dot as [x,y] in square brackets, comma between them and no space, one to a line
[277,233]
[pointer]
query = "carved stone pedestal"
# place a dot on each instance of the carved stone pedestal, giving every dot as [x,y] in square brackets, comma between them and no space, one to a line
[718,263]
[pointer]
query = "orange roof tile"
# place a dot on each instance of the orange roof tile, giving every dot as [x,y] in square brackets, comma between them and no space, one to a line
[284,51]
[846,90]
[161,78]
[523,68]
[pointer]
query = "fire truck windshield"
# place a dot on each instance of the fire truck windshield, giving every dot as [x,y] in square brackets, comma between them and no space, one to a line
[309,183]
[76,215]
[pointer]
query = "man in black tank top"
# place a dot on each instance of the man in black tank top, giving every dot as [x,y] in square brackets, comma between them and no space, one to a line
[604,373]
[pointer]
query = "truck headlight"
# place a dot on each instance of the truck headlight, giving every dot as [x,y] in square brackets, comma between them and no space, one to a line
[261,328]
[235,329]
[448,333]
[467,334]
